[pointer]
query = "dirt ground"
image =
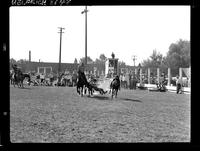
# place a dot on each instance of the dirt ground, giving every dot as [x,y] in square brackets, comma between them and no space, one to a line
[60,115]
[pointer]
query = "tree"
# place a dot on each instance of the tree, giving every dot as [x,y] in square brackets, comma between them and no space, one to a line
[13,61]
[154,61]
[22,61]
[89,60]
[102,57]
[178,56]
[122,64]
[75,61]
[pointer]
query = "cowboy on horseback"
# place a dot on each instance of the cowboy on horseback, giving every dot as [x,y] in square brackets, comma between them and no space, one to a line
[17,75]
[81,73]
[82,81]
[16,70]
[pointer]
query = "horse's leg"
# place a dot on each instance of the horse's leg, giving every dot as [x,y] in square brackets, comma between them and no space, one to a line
[91,91]
[78,90]
[22,84]
[112,93]
[116,93]
[18,84]
[29,81]
[88,90]
[85,90]
[82,91]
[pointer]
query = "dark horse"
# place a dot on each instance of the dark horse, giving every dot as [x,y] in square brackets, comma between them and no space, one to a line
[12,77]
[19,78]
[82,81]
[115,86]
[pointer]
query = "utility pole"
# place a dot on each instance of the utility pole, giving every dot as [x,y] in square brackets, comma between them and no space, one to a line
[134,58]
[85,11]
[59,67]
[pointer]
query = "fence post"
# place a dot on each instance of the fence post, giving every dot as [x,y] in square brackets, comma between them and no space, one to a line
[169,77]
[180,73]
[158,75]
[135,71]
[140,76]
[149,72]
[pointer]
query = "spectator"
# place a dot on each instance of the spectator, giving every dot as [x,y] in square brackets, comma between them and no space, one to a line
[131,82]
[127,82]
[123,81]
[178,85]
[42,77]
[51,78]
[134,82]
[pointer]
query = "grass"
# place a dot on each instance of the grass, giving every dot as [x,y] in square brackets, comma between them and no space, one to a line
[60,115]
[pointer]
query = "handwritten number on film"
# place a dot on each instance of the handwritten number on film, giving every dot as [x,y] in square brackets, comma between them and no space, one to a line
[59,2]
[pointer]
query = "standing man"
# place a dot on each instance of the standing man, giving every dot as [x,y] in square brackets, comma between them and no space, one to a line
[51,78]
[134,82]
[123,81]
[42,78]
[178,85]
[127,81]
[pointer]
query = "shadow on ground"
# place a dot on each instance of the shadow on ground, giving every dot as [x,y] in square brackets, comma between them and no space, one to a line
[99,97]
[27,88]
[134,100]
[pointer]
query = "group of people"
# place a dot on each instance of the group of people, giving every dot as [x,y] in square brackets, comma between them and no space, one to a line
[62,79]
[41,79]
[128,81]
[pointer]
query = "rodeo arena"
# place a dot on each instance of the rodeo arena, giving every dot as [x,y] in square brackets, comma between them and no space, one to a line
[105,102]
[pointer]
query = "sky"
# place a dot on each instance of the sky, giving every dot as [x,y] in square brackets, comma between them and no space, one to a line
[124,30]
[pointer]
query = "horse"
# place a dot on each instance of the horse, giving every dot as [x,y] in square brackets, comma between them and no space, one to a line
[19,78]
[82,81]
[12,77]
[90,89]
[115,86]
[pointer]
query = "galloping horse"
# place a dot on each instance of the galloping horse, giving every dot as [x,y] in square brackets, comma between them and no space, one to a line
[115,86]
